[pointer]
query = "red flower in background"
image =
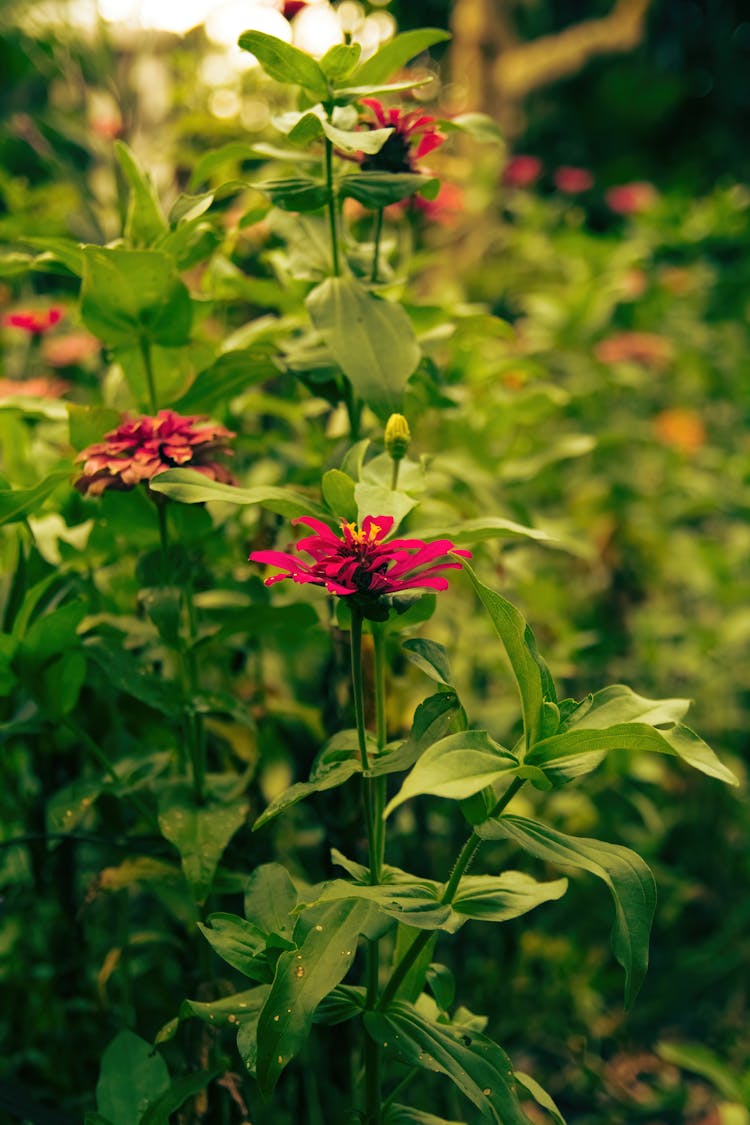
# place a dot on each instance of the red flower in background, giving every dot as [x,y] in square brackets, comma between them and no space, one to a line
[445,209]
[34,321]
[361,563]
[572,181]
[39,387]
[631,199]
[414,135]
[646,348]
[290,8]
[522,171]
[141,448]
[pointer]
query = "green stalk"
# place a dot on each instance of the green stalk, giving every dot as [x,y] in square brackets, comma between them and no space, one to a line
[372,1057]
[148,367]
[465,856]
[195,720]
[376,251]
[332,220]
[394,474]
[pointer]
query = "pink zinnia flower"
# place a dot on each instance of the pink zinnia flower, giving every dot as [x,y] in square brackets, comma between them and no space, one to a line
[39,387]
[34,321]
[522,171]
[646,348]
[413,136]
[572,181]
[360,562]
[631,199]
[141,448]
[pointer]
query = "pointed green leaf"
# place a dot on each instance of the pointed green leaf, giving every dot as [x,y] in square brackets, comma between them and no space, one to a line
[490,527]
[430,656]
[18,503]
[478,1067]
[480,126]
[191,487]
[338,493]
[182,1088]
[132,1076]
[617,718]
[237,942]
[199,832]
[356,140]
[228,376]
[456,767]
[700,1060]
[532,676]
[432,719]
[407,1115]
[134,293]
[497,898]
[340,60]
[285,63]
[379,189]
[270,899]
[372,340]
[540,1095]
[628,878]
[327,939]
[229,1009]
[296,193]
[396,54]
[145,221]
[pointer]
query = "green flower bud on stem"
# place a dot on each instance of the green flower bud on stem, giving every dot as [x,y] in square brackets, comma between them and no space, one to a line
[397,436]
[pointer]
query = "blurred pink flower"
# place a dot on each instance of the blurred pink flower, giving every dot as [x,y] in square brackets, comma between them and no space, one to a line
[360,562]
[34,321]
[646,348]
[631,199]
[414,135]
[40,387]
[72,348]
[141,448]
[522,171]
[572,181]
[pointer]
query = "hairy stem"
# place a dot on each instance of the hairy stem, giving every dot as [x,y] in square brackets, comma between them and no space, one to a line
[148,367]
[332,219]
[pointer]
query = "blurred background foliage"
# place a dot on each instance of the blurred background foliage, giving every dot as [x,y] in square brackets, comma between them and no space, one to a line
[612,414]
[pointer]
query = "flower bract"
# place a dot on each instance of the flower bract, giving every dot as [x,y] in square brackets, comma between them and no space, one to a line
[361,562]
[141,448]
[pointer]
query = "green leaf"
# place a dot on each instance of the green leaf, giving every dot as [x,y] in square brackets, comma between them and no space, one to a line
[377,498]
[480,126]
[237,942]
[456,767]
[490,527]
[131,1078]
[531,674]
[356,140]
[285,63]
[430,656]
[18,503]
[63,250]
[407,1115]
[340,60]
[229,1009]
[270,899]
[199,832]
[344,1003]
[639,724]
[296,193]
[191,487]
[68,807]
[335,764]
[338,493]
[379,189]
[497,898]
[59,684]
[371,340]
[182,1088]
[432,719]
[628,878]
[540,1095]
[89,424]
[700,1060]
[123,672]
[145,221]
[230,375]
[134,293]
[407,899]
[478,1067]
[327,943]
[396,54]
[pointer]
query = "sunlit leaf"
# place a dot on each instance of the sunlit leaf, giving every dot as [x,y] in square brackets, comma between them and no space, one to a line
[191,487]
[456,767]
[285,63]
[397,53]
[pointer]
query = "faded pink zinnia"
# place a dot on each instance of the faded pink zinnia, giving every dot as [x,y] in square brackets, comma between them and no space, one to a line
[631,199]
[141,448]
[360,562]
[413,135]
[34,321]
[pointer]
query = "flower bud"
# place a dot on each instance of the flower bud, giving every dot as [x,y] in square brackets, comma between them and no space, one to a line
[397,437]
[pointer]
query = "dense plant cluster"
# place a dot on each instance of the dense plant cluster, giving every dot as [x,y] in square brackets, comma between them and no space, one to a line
[251,827]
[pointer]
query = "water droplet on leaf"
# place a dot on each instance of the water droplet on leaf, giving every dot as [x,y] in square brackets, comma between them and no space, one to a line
[487,1091]
[299,971]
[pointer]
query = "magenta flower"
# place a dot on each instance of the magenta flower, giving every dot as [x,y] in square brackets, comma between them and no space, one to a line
[34,321]
[361,563]
[141,448]
[571,181]
[522,171]
[413,136]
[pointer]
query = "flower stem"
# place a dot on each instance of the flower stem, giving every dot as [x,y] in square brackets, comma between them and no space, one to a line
[194,718]
[465,856]
[394,474]
[148,367]
[332,220]
[376,250]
